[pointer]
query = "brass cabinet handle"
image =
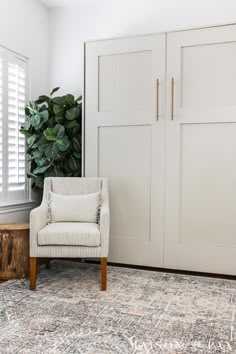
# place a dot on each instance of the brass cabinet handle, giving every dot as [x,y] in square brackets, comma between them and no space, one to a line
[157,98]
[172,97]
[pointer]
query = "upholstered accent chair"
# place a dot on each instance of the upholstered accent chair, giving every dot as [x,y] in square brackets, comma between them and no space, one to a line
[70,239]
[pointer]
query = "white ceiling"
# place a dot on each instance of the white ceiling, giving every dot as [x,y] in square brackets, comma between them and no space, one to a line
[63,3]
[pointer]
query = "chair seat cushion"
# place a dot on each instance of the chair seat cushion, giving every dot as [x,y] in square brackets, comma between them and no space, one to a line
[70,234]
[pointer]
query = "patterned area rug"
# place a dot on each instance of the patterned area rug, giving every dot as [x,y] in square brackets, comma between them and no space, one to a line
[142,312]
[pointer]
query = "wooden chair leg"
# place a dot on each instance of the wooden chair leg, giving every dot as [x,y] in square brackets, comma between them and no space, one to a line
[33,272]
[104,273]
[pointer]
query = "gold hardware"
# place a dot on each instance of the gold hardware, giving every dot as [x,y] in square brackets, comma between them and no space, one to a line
[172,97]
[157,107]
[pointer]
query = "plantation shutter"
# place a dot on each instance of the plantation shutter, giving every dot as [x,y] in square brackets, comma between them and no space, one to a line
[16,78]
[13,95]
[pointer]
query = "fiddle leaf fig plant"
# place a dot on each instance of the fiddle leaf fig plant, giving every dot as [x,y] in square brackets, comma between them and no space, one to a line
[53,137]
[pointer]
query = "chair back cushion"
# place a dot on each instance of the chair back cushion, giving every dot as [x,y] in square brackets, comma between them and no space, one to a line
[74,208]
[75,186]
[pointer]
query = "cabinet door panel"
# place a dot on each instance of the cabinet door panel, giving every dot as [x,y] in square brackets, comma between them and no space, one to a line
[124,140]
[200,224]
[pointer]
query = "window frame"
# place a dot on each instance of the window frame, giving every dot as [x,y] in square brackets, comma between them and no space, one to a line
[27,202]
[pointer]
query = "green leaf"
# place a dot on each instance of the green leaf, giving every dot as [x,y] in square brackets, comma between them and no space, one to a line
[42,144]
[41,161]
[54,90]
[32,108]
[31,139]
[60,100]
[74,163]
[52,151]
[43,108]
[42,99]
[59,130]
[71,124]
[37,154]
[79,99]
[51,122]
[57,172]
[35,120]
[76,131]
[25,132]
[50,134]
[72,113]
[44,117]
[57,109]
[77,154]
[69,99]
[26,126]
[76,144]
[27,111]
[40,169]
[31,175]
[63,143]
[59,120]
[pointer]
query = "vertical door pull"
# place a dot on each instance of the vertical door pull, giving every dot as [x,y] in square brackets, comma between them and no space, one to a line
[172,97]
[157,99]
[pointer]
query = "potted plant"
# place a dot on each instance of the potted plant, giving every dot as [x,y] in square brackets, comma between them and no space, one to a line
[53,137]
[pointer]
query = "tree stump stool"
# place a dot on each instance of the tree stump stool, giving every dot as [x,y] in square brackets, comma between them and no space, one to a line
[14,251]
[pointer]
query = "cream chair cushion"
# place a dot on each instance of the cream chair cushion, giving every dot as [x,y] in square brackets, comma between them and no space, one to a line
[70,234]
[74,208]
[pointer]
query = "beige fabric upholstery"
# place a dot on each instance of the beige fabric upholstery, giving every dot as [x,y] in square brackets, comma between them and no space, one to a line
[70,234]
[72,208]
[38,219]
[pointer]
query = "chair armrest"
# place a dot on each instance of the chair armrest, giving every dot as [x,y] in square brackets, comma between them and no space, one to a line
[38,219]
[104,229]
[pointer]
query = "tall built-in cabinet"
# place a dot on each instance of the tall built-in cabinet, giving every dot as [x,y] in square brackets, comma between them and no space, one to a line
[160,122]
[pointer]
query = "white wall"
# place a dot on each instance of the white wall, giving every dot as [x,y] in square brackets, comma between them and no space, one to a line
[95,19]
[24,26]
[58,44]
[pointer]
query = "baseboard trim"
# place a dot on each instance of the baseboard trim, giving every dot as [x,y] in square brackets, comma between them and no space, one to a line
[167,270]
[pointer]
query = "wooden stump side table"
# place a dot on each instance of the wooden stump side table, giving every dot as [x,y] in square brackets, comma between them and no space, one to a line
[14,251]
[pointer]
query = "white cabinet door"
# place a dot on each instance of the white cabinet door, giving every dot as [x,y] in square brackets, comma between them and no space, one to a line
[200,221]
[124,140]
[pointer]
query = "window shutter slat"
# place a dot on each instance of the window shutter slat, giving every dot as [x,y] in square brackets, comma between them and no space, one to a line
[16,141]
[13,91]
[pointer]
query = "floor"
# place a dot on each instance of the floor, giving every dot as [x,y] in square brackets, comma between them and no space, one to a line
[142,312]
